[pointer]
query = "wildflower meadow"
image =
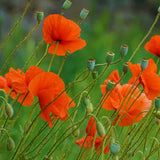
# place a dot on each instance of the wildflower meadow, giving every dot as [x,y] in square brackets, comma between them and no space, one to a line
[59,101]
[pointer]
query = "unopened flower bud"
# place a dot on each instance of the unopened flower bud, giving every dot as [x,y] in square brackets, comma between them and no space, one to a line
[67,4]
[2,97]
[100,129]
[40,16]
[84,13]
[86,101]
[95,74]
[144,63]
[75,131]
[114,147]
[157,103]
[123,50]
[89,108]
[10,144]
[109,57]
[110,85]
[125,68]
[91,64]
[159,9]
[9,110]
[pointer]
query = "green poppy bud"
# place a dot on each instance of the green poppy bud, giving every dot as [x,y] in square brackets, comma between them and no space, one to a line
[2,97]
[10,144]
[125,67]
[144,63]
[100,129]
[75,131]
[109,57]
[86,101]
[67,4]
[123,50]
[159,9]
[9,110]
[110,85]
[91,64]
[89,108]
[84,13]
[114,148]
[157,103]
[40,16]
[95,74]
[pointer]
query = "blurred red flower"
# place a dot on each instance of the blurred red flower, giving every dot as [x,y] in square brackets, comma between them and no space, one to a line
[149,79]
[115,99]
[153,46]
[57,28]
[90,138]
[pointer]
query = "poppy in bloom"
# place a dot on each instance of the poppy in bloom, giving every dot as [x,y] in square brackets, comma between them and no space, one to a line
[153,46]
[47,86]
[16,81]
[62,32]
[132,105]
[3,82]
[90,138]
[149,79]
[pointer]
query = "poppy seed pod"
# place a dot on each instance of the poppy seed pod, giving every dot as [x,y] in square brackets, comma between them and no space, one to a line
[95,74]
[110,85]
[123,50]
[89,108]
[84,13]
[144,63]
[9,110]
[91,64]
[114,148]
[100,129]
[125,68]
[40,16]
[86,101]
[157,103]
[10,144]
[109,57]
[67,4]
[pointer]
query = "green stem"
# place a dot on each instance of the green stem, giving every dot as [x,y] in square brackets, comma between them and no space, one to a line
[60,69]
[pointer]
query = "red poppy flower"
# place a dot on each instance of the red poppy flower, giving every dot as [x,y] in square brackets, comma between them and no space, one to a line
[3,82]
[47,86]
[57,28]
[90,138]
[130,113]
[153,46]
[16,81]
[149,79]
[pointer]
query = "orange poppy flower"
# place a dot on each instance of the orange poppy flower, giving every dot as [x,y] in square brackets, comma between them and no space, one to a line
[153,46]
[47,86]
[130,113]
[90,138]
[57,28]
[3,82]
[16,81]
[149,79]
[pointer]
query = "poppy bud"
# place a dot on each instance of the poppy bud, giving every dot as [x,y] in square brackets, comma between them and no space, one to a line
[75,131]
[123,50]
[89,108]
[144,63]
[86,101]
[84,13]
[125,67]
[100,129]
[109,57]
[91,64]
[110,85]
[95,74]
[2,95]
[9,110]
[157,103]
[114,147]
[10,144]
[159,9]
[40,16]
[67,4]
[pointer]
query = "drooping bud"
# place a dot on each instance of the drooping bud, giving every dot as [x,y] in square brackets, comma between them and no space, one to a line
[10,144]
[95,74]
[40,16]
[86,101]
[114,147]
[67,4]
[89,108]
[125,67]
[123,50]
[9,110]
[100,129]
[91,64]
[110,85]
[144,63]
[109,57]
[75,131]
[157,103]
[2,97]
[84,13]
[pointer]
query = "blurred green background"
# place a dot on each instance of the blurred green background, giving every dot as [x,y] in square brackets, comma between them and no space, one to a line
[110,23]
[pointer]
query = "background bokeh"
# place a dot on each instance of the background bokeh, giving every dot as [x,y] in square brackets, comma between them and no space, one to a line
[110,23]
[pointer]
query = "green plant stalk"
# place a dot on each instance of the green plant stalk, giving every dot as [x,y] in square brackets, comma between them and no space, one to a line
[14,27]
[63,61]
[17,47]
